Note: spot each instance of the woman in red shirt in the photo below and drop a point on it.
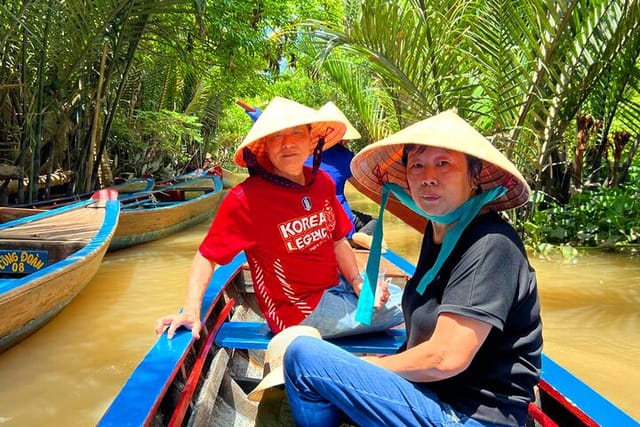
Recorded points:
(287, 219)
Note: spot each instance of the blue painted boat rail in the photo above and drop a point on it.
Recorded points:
(146, 199)
(141, 395)
(592, 403)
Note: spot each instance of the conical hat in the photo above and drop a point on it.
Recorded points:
(382, 161)
(281, 114)
(274, 374)
(331, 110)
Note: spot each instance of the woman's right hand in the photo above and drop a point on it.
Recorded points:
(382, 291)
(382, 294)
(172, 322)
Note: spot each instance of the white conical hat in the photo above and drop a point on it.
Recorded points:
(382, 161)
(331, 110)
(274, 375)
(281, 114)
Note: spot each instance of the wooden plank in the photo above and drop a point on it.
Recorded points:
(77, 225)
(205, 403)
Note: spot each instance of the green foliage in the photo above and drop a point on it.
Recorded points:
(520, 70)
(293, 83)
(604, 218)
(157, 142)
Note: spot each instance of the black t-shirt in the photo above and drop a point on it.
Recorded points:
(487, 277)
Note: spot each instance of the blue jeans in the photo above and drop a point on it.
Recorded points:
(334, 316)
(326, 386)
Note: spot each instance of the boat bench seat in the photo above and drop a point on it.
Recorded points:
(256, 336)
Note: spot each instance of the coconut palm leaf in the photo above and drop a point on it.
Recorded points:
(520, 70)
(402, 45)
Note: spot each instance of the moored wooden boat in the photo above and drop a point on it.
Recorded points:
(46, 259)
(182, 177)
(156, 214)
(204, 382)
(133, 185)
(147, 215)
(124, 190)
(230, 178)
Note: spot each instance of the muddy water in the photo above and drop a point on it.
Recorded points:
(68, 372)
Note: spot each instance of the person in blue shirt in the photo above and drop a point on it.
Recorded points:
(336, 162)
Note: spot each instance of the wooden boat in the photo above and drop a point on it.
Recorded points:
(156, 214)
(133, 185)
(230, 179)
(46, 259)
(204, 382)
(124, 190)
(149, 214)
(183, 177)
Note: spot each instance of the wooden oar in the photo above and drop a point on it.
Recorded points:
(244, 105)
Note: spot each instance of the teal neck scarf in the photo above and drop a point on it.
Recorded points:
(463, 215)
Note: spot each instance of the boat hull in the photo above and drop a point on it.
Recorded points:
(154, 220)
(29, 302)
(204, 383)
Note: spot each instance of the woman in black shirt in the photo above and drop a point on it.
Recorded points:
(472, 312)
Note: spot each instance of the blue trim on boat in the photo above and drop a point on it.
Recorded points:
(592, 403)
(256, 336)
(404, 265)
(146, 385)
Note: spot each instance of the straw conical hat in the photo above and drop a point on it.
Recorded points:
(281, 114)
(382, 161)
(274, 374)
(331, 110)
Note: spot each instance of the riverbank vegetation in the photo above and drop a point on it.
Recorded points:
(91, 91)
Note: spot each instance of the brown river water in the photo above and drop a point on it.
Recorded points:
(68, 372)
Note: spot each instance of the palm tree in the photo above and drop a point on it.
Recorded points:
(520, 70)
(64, 67)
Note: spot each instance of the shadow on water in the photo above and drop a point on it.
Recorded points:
(68, 372)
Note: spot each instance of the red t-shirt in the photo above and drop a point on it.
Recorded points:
(287, 235)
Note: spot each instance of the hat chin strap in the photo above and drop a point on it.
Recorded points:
(317, 156)
(256, 168)
(463, 215)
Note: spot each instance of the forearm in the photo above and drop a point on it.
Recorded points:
(448, 352)
(424, 368)
(347, 263)
(199, 277)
